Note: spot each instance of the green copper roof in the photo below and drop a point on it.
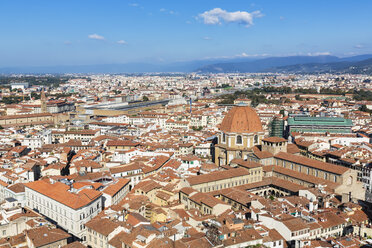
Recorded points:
(319, 121)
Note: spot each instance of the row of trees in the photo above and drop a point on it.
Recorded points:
(54, 81)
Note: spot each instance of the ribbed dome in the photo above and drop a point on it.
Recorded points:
(241, 119)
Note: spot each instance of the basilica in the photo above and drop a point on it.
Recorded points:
(240, 131)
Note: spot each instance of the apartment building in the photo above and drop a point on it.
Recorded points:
(68, 207)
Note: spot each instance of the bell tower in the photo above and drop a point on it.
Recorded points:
(43, 102)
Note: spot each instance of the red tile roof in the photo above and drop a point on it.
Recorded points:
(60, 192)
(241, 119)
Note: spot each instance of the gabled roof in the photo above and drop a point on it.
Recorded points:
(216, 176)
(335, 169)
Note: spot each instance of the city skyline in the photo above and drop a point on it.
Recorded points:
(43, 33)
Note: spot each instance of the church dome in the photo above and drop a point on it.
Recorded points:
(241, 119)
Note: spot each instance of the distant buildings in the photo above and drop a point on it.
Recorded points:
(21, 86)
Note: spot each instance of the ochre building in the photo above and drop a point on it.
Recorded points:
(240, 130)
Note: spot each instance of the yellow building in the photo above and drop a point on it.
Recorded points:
(26, 120)
(218, 180)
(125, 145)
(240, 130)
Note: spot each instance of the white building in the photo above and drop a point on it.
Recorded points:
(21, 86)
(70, 208)
(38, 140)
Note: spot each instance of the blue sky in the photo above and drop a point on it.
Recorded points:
(78, 32)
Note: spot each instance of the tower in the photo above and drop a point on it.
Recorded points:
(43, 102)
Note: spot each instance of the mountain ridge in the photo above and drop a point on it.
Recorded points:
(273, 64)
(289, 64)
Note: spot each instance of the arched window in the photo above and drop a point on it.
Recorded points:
(256, 139)
(239, 140)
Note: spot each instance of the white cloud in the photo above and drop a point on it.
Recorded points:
(245, 55)
(122, 42)
(359, 46)
(319, 54)
(96, 37)
(240, 55)
(218, 16)
(171, 12)
(207, 38)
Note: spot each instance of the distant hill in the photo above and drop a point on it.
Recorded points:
(291, 64)
(184, 66)
(359, 67)
(294, 64)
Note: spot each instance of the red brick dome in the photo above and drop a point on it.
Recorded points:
(241, 119)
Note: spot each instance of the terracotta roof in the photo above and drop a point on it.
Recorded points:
(292, 148)
(245, 164)
(121, 143)
(261, 154)
(43, 236)
(103, 226)
(217, 175)
(124, 168)
(295, 224)
(241, 119)
(75, 244)
(6, 117)
(17, 188)
(60, 192)
(113, 189)
(274, 139)
(336, 169)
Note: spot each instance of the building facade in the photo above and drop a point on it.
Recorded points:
(240, 130)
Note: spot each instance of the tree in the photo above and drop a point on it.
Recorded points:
(145, 98)
(364, 108)
(197, 128)
(298, 98)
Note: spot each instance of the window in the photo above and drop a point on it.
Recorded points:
(223, 137)
(239, 140)
(256, 139)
